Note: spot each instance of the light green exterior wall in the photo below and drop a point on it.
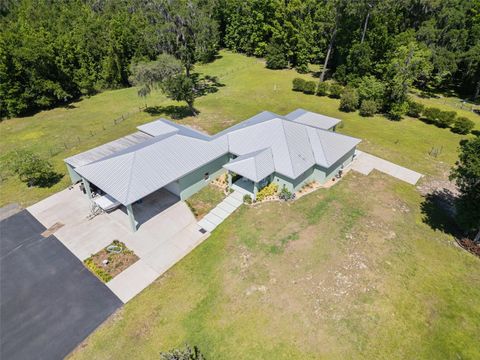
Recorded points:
(194, 181)
(74, 177)
(315, 173)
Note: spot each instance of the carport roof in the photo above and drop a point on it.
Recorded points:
(140, 170)
(107, 149)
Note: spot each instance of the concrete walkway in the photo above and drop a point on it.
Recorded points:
(364, 163)
(223, 210)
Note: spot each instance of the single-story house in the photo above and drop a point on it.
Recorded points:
(290, 150)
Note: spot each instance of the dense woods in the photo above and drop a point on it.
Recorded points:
(54, 51)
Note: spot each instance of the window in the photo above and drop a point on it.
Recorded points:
(206, 176)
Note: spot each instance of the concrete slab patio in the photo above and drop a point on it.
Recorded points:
(364, 163)
(167, 232)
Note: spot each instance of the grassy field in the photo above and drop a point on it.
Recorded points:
(339, 274)
(348, 272)
(248, 89)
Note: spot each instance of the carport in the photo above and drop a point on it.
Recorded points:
(49, 301)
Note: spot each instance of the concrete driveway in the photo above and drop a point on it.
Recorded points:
(364, 163)
(49, 302)
(167, 232)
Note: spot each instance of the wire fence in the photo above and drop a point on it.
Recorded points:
(71, 142)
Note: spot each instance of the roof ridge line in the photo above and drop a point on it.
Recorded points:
(324, 152)
(288, 147)
(311, 146)
(130, 179)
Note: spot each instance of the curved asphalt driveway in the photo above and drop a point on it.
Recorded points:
(49, 302)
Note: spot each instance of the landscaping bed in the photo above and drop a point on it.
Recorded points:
(110, 261)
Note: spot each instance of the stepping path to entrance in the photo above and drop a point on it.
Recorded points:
(223, 210)
(364, 163)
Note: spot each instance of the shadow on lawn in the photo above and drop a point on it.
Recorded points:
(176, 112)
(438, 212)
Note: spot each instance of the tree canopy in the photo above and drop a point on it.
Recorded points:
(466, 174)
(54, 51)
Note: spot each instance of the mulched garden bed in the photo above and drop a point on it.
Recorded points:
(469, 245)
(110, 261)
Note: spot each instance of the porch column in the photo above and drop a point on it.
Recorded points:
(229, 176)
(86, 185)
(255, 190)
(131, 216)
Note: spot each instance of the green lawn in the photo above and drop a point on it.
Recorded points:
(249, 88)
(205, 200)
(339, 274)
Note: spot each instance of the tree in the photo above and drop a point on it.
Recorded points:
(149, 75)
(188, 31)
(466, 174)
(181, 88)
(32, 169)
(165, 73)
(337, 17)
(275, 57)
(407, 64)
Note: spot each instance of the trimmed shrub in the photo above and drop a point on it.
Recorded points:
(446, 118)
(397, 110)
(336, 91)
(310, 87)
(349, 99)
(322, 89)
(415, 109)
(269, 190)
(247, 199)
(463, 125)
(431, 115)
(285, 194)
(302, 68)
(368, 108)
(298, 84)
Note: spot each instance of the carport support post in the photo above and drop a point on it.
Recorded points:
(229, 175)
(86, 185)
(131, 216)
(255, 190)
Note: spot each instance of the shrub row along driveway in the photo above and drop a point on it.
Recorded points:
(49, 301)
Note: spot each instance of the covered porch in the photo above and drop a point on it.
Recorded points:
(253, 171)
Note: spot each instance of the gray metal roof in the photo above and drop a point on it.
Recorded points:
(157, 128)
(164, 127)
(254, 166)
(295, 147)
(312, 119)
(107, 149)
(135, 173)
(264, 143)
